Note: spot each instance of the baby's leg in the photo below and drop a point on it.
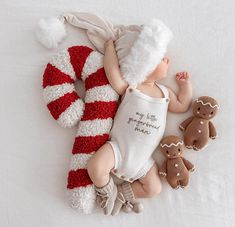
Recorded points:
(148, 186)
(100, 165)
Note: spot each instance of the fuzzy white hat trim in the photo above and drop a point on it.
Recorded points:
(146, 52)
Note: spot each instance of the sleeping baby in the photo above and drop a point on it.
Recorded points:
(137, 129)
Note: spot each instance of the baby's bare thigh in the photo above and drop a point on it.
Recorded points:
(152, 178)
(104, 157)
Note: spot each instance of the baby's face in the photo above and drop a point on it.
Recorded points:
(161, 71)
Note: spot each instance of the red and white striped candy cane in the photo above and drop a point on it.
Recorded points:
(94, 116)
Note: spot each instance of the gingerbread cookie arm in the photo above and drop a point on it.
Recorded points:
(212, 130)
(162, 171)
(185, 123)
(188, 164)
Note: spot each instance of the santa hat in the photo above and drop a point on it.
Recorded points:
(139, 48)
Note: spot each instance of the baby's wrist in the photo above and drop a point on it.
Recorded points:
(185, 83)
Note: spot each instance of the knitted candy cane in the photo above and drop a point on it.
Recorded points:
(94, 117)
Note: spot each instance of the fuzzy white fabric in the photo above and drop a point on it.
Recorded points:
(72, 114)
(93, 62)
(51, 93)
(82, 199)
(102, 93)
(79, 161)
(62, 62)
(146, 53)
(50, 32)
(139, 48)
(94, 127)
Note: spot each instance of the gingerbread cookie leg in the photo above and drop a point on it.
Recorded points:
(184, 182)
(174, 183)
(200, 144)
(189, 141)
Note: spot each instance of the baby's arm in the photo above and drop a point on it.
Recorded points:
(181, 102)
(111, 67)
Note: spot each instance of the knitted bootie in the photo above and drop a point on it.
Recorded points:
(126, 200)
(107, 195)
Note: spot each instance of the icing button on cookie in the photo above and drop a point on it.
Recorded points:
(201, 122)
(199, 131)
(176, 165)
(178, 174)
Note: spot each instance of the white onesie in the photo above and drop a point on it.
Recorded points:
(137, 130)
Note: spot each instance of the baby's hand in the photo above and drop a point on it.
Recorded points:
(182, 78)
(108, 43)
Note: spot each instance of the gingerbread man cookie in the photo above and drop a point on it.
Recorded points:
(175, 168)
(198, 128)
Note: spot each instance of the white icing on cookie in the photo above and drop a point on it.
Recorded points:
(172, 144)
(207, 103)
(181, 127)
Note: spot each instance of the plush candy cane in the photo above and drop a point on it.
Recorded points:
(94, 116)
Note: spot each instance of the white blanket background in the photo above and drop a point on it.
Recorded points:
(35, 151)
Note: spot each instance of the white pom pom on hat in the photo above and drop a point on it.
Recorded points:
(51, 31)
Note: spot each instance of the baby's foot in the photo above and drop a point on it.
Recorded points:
(126, 200)
(107, 196)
